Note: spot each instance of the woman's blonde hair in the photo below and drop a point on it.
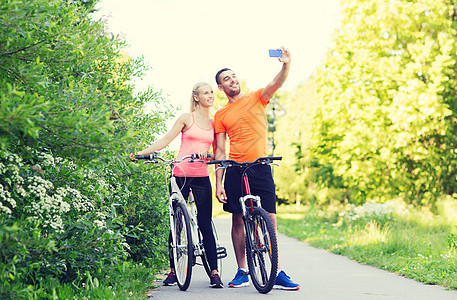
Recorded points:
(195, 91)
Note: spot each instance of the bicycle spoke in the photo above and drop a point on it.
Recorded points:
(259, 251)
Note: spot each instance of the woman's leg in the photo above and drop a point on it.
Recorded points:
(201, 189)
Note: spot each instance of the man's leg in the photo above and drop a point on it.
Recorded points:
(239, 246)
(239, 240)
(233, 190)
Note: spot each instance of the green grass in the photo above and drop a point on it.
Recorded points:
(128, 281)
(416, 245)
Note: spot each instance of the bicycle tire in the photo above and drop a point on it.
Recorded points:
(205, 261)
(261, 250)
(183, 252)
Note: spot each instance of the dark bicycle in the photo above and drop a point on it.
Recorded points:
(261, 242)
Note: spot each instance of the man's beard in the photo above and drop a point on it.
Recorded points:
(234, 92)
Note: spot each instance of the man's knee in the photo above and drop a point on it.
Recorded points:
(237, 220)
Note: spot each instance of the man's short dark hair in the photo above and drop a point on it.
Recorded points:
(219, 73)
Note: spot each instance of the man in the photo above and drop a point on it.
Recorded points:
(243, 119)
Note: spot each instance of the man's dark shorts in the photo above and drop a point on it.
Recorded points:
(261, 184)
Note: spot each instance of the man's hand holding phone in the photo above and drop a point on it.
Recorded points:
(275, 52)
(282, 54)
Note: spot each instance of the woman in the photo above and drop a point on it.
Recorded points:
(197, 130)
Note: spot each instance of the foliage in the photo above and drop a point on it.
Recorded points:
(63, 84)
(292, 136)
(386, 127)
(74, 212)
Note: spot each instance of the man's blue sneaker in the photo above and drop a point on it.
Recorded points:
(283, 282)
(241, 279)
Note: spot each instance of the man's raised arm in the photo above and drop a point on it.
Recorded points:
(269, 91)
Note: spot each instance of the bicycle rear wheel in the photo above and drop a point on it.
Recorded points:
(183, 253)
(221, 253)
(261, 250)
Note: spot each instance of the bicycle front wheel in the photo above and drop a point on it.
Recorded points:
(261, 250)
(183, 253)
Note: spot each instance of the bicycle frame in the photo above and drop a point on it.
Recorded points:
(175, 196)
(250, 199)
(198, 247)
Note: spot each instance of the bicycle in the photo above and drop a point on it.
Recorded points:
(186, 239)
(261, 242)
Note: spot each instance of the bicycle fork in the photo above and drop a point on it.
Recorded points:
(252, 201)
(248, 203)
(174, 242)
(198, 247)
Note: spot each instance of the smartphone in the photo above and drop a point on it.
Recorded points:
(275, 52)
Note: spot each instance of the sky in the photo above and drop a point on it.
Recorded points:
(186, 41)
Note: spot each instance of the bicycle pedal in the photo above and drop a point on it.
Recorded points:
(221, 252)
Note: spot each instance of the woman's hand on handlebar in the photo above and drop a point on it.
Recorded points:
(132, 157)
(204, 155)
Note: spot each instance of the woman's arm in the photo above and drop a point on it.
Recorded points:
(164, 141)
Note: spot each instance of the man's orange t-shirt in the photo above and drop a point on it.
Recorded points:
(245, 123)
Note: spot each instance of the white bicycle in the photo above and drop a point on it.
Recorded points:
(186, 243)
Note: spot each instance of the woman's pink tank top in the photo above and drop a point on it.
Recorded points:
(194, 140)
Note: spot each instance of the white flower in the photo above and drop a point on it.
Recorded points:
(99, 224)
(5, 209)
(125, 245)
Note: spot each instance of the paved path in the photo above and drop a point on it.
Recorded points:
(321, 275)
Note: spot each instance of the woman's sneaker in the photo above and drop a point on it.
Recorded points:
(241, 279)
(215, 281)
(171, 279)
(283, 282)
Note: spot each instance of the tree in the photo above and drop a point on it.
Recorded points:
(63, 85)
(72, 207)
(294, 177)
(387, 124)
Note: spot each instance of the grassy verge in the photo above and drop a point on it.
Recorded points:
(414, 244)
(128, 281)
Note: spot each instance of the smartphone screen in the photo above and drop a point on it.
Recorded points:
(275, 52)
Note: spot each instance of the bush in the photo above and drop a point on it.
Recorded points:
(86, 221)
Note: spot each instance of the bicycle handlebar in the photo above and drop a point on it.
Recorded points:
(155, 158)
(147, 156)
(226, 163)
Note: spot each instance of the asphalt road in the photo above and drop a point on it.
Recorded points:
(321, 275)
